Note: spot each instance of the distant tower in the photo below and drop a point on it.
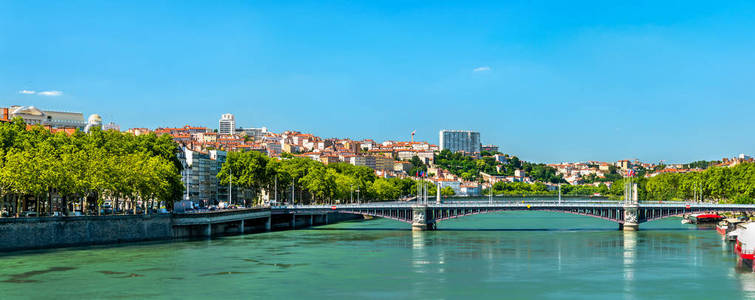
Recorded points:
(227, 124)
(94, 121)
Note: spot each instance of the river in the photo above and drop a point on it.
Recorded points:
(557, 256)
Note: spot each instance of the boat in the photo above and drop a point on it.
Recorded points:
(701, 218)
(727, 225)
(732, 235)
(745, 247)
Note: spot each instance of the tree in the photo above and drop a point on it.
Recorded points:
(383, 189)
(447, 191)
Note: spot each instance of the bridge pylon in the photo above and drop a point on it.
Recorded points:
(631, 208)
(420, 221)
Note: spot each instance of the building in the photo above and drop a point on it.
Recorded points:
(227, 124)
(56, 119)
(254, 132)
(200, 170)
(4, 116)
(94, 121)
(489, 148)
(460, 140)
(111, 126)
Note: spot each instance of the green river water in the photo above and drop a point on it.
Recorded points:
(491, 256)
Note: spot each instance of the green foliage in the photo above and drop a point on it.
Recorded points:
(96, 165)
(311, 181)
(723, 184)
(447, 191)
(701, 164)
(469, 168)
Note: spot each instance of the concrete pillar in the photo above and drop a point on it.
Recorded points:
(208, 230)
(419, 218)
(326, 219)
(311, 220)
(293, 221)
(631, 208)
(241, 228)
(269, 224)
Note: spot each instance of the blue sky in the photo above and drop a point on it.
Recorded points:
(546, 81)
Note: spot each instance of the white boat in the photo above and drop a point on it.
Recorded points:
(732, 235)
(745, 247)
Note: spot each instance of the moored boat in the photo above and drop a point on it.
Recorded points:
(745, 247)
(701, 218)
(727, 225)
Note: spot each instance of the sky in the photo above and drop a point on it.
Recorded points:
(546, 81)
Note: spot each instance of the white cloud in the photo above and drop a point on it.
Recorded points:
(27, 92)
(481, 69)
(50, 93)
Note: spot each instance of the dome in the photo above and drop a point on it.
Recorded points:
(95, 119)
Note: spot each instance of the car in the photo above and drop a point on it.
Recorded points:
(163, 211)
(30, 214)
(213, 207)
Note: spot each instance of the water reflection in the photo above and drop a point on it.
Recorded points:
(630, 257)
(419, 252)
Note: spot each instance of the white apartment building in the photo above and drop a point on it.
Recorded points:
(227, 124)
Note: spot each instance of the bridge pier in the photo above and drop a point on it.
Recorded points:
(419, 219)
(208, 230)
(269, 224)
(241, 227)
(631, 208)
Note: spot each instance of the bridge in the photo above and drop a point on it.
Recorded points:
(425, 216)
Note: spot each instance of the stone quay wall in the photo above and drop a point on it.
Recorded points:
(52, 232)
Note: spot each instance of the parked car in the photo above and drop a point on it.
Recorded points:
(29, 214)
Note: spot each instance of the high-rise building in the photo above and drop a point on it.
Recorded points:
(227, 124)
(460, 140)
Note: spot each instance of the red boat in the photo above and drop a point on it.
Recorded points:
(745, 247)
(704, 218)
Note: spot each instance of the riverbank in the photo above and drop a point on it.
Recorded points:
(56, 232)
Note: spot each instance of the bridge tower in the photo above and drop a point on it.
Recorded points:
(631, 208)
(419, 218)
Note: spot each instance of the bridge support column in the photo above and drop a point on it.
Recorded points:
(293, 221)
(631, 208)
(311, 220)
(208, 230)
(269, 224)
(241, 227)
(325, 217)
(419, 219)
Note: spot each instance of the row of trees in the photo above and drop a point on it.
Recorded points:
(540, 189)
(37, 166)
(304, 181)
(724, 184)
